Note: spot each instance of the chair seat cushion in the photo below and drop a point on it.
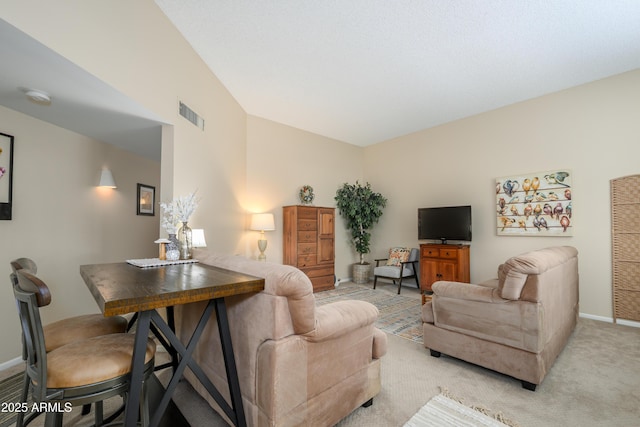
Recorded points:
(390, 271)
(93, 360)
(65, 331)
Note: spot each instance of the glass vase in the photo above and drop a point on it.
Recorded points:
(185, 239)
(173, 248)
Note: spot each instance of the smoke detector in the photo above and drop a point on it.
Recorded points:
(38, 97)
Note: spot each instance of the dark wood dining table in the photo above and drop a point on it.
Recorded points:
(121, 288)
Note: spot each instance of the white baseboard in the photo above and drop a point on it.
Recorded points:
(11, 363)
(594, 317)
(628, 323)
(610, 320)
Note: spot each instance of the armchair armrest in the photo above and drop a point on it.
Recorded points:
(380, 259)
(339, 318)
(466, 291)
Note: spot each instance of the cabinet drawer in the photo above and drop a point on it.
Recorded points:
(306, 261)
(306, 212)
(430, 253)
(448, 253)
(307, 224)
(307, 248)
(317, 272)
(308, 236)
(322, 283)
(439, 253)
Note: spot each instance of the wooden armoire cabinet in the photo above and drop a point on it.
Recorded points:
(309, 243)
(443, 262)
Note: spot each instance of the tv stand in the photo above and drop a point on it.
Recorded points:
(443, 241)
(443, 262)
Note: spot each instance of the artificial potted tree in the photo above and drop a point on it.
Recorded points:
(362, 208)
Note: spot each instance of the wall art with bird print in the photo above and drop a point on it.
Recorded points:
(535, 204)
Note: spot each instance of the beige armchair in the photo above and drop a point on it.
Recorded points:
(516, 324)
(298, 364)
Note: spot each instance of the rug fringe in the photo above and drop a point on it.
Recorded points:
(498, 416)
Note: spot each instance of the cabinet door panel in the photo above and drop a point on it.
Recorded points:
(325, 251)
(428, 274)
(325, 222)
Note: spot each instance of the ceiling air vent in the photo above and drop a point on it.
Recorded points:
(191, 115)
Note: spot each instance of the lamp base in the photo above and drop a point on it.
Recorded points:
(262, 245)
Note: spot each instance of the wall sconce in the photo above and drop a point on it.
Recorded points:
(197, 238)
(106, 179)
(262, 222)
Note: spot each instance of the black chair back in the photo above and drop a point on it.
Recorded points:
(31, 294)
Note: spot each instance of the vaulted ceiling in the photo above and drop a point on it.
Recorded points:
(360, 71)
(364, 71)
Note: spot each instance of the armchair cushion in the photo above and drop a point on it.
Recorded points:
(467, 291)
(397, 256)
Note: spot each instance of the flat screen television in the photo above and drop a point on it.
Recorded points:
(445, 223)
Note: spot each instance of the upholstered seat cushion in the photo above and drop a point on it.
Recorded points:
(65, 331)
(93, 360)
(391, 271)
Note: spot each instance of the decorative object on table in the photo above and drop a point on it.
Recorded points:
(106, 179)
(162, 249)
(146, 200)
(173, 248)
(362, 208)
(176, 212)
(535, 204)
(262, 222)
(155, 262)
(185, 236)
(6, 175)
(306, 195)
(198, 240)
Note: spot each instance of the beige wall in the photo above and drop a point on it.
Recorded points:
(280, 160)
(593, 130)
(133, 47)
(62, 220)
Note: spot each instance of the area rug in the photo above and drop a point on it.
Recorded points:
(10, 390)
(399, 315)
(445, 410)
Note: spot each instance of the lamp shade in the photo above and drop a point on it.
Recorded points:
(197, 238)
(106, 179)
(262, 222)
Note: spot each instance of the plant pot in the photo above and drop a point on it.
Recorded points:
(360, 273)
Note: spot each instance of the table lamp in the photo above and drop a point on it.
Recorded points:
(197, 238)
(262, 222)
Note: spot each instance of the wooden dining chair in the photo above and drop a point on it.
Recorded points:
(82, 372)
(66, 331)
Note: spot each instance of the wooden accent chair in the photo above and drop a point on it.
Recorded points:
(82, 372)
(402, 263)
(66, 331)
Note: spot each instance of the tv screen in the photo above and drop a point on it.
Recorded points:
(445, 223)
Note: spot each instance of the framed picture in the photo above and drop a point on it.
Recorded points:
(535, 204)
(146, 200)
(6, 175)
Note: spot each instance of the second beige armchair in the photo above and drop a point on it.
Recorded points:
(516, 324)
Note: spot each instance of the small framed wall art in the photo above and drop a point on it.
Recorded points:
(146, 200)
(6, 175)
(535, 204)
